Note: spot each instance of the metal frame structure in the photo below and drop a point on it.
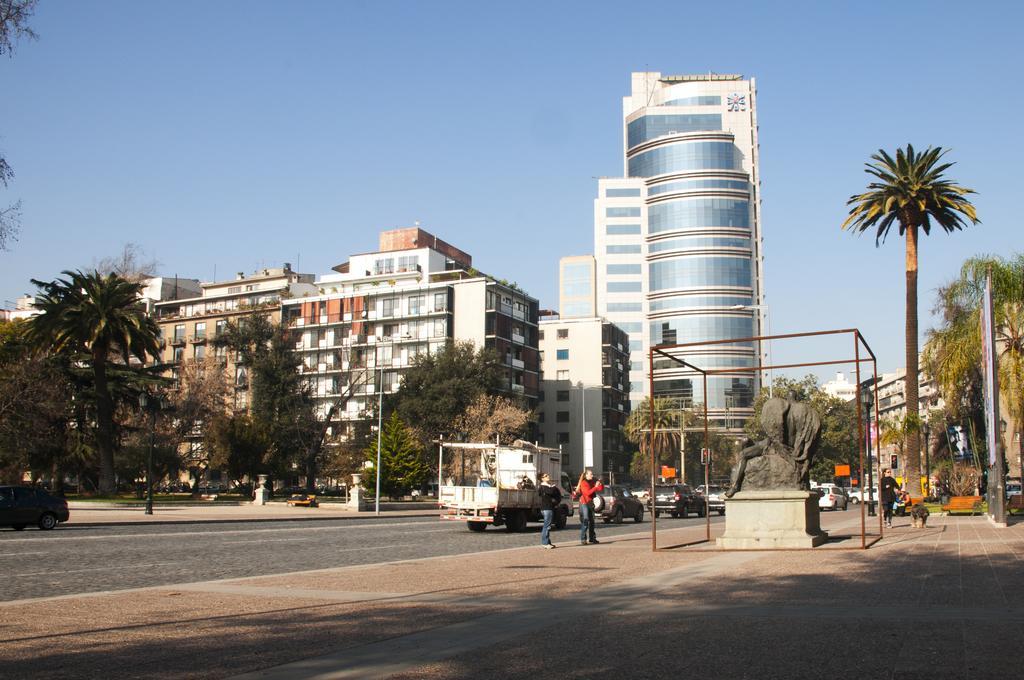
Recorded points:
(664, 351)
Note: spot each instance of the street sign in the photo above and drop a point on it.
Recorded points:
(842, 470)
(668, 472)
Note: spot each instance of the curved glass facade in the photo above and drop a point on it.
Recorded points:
(686, 156)
(688, 213)
(646, 128)
(698, 328)
(690, 272)
(724, 391)
(696, 185)
(698, 242)
(688, 301)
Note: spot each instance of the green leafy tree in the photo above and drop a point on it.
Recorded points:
(282, 403)
(238, 444)
(440, 386)
(913, 192)
(402, 467)
(953, 349)
(99, 316)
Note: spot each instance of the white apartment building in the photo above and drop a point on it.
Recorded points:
(368, 322)
(840, 388)
(585, 393)
(677, 239)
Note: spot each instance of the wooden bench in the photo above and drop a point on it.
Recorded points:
(970, 504)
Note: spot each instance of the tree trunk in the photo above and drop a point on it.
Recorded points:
(104, 421)
(316, 446)
(911, 461)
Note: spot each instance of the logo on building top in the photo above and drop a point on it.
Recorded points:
(736, 102)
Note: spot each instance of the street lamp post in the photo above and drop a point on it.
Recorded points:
(867, 495)
(147, 402)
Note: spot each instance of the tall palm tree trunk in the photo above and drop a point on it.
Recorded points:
(911, 462)
(104, 421)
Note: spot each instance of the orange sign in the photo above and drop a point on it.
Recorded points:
(842, 471)
(668, 471)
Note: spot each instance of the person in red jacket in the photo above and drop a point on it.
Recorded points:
(586, 489)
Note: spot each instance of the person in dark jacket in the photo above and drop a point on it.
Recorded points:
(587, 488)
(889, 488)
(550, 497)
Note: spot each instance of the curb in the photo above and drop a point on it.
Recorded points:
(240, 520)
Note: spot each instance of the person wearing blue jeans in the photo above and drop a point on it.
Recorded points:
(550, 497)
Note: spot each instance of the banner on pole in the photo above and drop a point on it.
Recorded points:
(588, 449)
(990, 373)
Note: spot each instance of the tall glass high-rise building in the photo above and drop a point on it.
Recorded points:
(677, 239)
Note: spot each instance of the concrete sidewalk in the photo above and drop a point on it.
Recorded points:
(944, 602)
(90, 514)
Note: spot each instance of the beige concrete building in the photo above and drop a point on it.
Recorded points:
(585, 393)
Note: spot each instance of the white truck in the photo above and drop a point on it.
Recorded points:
(499, 484)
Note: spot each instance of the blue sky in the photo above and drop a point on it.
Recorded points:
(233, 135)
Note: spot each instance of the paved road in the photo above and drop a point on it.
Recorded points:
(72, 560)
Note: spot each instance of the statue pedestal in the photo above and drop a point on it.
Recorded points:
(262, 492)
(355, 495)
(772, 520)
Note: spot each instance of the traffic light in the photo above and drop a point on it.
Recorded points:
(894, 462)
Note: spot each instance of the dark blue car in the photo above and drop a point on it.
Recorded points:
(24, 505)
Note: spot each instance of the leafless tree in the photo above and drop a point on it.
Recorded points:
(14, 16)
(131, 263)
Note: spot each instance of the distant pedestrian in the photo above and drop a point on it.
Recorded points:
(889, 490)
(550, 497)
(586, 489)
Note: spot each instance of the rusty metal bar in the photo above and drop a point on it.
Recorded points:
(707, 466)
(860, 447)
(650, 445)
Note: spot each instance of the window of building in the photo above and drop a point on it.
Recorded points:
(540, 396)
(540, 335)
(408, 263)
(179, 354)
(199, 352)
(416, 304)
(562, 395)
(540, 417)
(625, 307)
(219, 327)
(622, 229)
(201, 330)
(622, 193)
(618, 269)
(623, 286)
(234, 289)
(440, 302)
(624, 249)
(541, 354)
(562, 417)
(622, 212)
(387, 307)
(563, 437)
(179, 332)
(384, 265)
(562, 354)
(562, 333)
(440, 328)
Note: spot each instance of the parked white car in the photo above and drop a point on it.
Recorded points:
(856, 495)
(832, 498)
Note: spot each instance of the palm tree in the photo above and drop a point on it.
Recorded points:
(912, 191)
(953, 350)
(1010, 345)
(669, 421)
(101, 317)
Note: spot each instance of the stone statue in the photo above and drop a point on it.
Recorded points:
(782, 460)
